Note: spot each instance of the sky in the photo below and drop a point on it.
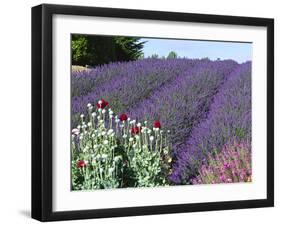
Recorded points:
(239, 52)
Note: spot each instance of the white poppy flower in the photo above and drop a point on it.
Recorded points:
(110, 131)
(116, 158)
(124, 136)
(104, 156)
(75, 131)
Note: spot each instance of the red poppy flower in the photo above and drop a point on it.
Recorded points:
(123, 117)
(157, 124)
(81, 163)
(135, 130)
(102, 104)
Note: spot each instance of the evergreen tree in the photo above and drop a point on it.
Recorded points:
(97, 50)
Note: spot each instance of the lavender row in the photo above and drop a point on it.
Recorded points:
(135, 84)
(179, 105)
(229, 119)
(85, 81)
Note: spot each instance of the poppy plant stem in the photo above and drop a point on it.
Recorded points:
(161, 142)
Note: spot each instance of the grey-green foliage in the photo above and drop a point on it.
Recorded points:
(116, 158)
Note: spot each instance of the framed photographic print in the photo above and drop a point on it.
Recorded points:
(145, 112)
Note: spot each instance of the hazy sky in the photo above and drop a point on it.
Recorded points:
(239, 52)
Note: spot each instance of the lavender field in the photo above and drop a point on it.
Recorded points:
(158, 122)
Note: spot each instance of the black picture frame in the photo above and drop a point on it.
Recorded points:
(42, 84)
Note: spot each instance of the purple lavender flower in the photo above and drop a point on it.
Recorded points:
(181, 103)
(229, 118)
(125, 87)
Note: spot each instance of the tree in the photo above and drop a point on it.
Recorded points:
(154, 56)
(172, 55)
(80, 50)
(128, 48)
(102, 50)
(97, 50)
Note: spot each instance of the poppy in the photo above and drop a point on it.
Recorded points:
(81, 163)
(123, 117)
(75, 131)
(157, 124)
(135, 130)
(102, 104)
